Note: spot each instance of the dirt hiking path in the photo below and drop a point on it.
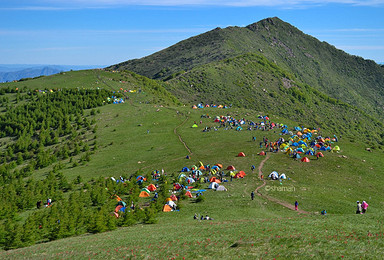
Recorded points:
(282, 203)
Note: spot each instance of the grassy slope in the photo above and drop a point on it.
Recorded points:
(256, 228)
(260, 228)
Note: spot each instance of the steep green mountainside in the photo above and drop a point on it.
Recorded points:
(351, 79)
(251, 81)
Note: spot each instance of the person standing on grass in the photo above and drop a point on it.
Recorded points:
(252, 195)
(358, 209)
(296, 205)
(364, 206)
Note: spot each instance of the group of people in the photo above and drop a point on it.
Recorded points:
(361, 207)
(202, 217)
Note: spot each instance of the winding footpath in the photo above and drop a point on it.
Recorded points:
(282, 203)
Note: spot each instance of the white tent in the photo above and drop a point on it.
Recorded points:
(274, 175)
(213, 185)
(221, 188)
(171, 204)
(282, 176)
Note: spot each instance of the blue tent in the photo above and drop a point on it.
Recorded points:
(185, 169)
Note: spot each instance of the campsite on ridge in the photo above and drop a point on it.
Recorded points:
(144, 151)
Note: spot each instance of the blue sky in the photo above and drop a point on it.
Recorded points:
(105, 32)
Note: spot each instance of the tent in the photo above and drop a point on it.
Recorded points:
(189, 180)
(118, 207)
(221, 188)
(240, 174)
(241, 154)
(309, 152)
(198, 173)
(122, 203)
(231, 168)
(151, 187)
(297, 156)
(185, 169)
(305, 159)
(261, 153)
(173, 197)
(177, 186)
(273, 175)
(144, 194)
(283, 176)
(319, 154)
(181, 176)
(188, 193)
(171, 203)
(216, 168)
(167, 208)
(336, 149)
(194, 126)
(214, 179)
(213, 185)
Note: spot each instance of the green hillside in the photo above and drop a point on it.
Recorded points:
(351, 79)
(88, 139)
(251, 81)
(241, 227)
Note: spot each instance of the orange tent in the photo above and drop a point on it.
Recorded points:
(151, 187)
(167, 208)
(241, 154)
(305, 159)
(240, 174)
(118, 208)
(214, 179)
(188, 193)
(219, 165)
(143, 194)
(202, 167)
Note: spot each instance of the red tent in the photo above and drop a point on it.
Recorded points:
(241, 154)
(151, 187)
(305, 159)
(320, 154)
(231, 168)
(261, 153)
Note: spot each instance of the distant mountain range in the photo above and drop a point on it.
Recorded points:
(10, 72)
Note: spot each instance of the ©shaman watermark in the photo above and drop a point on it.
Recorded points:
(280, 188)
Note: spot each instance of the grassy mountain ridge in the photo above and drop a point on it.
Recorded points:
(349, 78)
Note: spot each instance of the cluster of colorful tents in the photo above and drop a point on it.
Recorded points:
(144, 192)
(201, 105)
(115, 100)
(303, 144)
